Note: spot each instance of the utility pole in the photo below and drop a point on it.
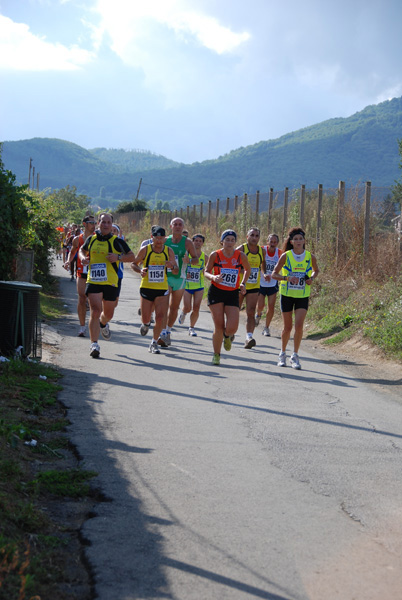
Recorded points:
(139, 187)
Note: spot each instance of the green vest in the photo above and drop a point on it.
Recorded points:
(179, 251)
(302, 270)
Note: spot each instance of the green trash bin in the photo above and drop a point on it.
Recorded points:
(20, 319)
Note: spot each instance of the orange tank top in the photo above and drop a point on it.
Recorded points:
(229, 268)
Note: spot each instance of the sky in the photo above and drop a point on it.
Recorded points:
(191, 79)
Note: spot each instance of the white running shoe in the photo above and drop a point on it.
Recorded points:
(282, 359)
(249, 343)
(191, 331)
(105, 332)
(144, 329)
(182, 318)
(153, 347)
(266, 332)
(94, 350)
(294, 361)
(257, 319)
(164, 340)
(81, 332)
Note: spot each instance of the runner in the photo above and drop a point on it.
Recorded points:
(182, 247)
(194, 289)
(256, 257)
(268, 286)
(224, 271)
(295, 272)
(103, 252)
(154, 289)
(117, 232)
(89, 228)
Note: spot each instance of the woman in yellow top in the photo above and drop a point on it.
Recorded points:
(295, 271)
(194, 289)
(154, 288)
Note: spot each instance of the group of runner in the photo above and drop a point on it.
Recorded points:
(172, 270)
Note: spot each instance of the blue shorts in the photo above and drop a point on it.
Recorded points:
(193, 291)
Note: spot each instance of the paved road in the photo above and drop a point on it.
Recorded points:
(233, 482)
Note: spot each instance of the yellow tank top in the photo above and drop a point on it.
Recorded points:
(155, 262)
(255, 261)
(100, 270)
(301, 269)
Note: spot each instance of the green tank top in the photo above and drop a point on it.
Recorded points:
(179, 252)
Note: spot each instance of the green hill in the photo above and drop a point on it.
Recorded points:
(363, 147)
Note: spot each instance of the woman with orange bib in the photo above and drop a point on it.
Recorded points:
(224, 272)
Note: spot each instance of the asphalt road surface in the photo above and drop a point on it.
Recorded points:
(234, 482)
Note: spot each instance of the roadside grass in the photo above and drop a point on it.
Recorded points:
(340, 311)
(51, 305)
(34, 472)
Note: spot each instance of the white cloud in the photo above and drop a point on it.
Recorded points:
(122, 20)
(21, 50)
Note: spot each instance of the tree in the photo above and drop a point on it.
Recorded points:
(71, 206)
(133, 206)
(28, 220)
(13, 218)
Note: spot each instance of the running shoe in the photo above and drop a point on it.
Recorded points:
(81, 332)
(182, 318)
(282, 359)
(162, 341)
(144, 329)
(216, 360)
(266, 332)
(153, 348)
(191, 331)
(227, 342)
(167, 337)
(249, 343)
(94, 350)
(257, 319)
(105, 332)
(294, 361)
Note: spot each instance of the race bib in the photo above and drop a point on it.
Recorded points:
(193, 275)
(98, 272)
(156, 273)
(253, 278)
(229, 277)
(300, 285)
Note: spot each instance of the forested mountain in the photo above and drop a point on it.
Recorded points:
(363, 147)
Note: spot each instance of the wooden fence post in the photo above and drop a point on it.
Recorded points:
(257, 206)
(245, 225)
(270, 206)
(339, 234)
(302, 203)
(209, 211)
(285, 211)
(201, 212)
(217, 214)
(236, 203)
(194, 215)
(319, 210)
(366, 242)
(227, 206)
(187, 214)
